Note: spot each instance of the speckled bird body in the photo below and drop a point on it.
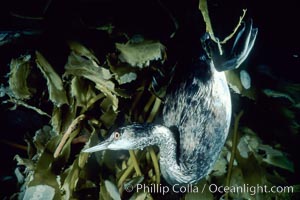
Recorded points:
(202, 105)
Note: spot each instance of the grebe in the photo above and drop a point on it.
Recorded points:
(196, 120)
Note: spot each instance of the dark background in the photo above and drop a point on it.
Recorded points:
(277, 46)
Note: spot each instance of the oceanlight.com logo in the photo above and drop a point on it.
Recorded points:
(213, 188)
(250, 189)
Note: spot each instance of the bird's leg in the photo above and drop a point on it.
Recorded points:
(238, 38)
(237, 58)
(241, 48)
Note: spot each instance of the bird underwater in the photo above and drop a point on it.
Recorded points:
(199, 108)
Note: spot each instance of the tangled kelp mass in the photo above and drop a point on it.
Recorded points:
(79, 83)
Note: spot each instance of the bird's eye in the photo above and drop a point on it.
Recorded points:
(117, 135)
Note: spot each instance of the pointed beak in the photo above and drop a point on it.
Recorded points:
(99, 147)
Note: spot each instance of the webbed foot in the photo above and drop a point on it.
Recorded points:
(241, 48)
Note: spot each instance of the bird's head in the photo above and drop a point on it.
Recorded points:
(134, 136)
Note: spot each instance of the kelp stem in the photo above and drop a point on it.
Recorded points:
(234, 146)
(70, 129)
(155, 164)
(135, 163)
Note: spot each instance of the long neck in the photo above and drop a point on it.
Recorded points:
(170, 169)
